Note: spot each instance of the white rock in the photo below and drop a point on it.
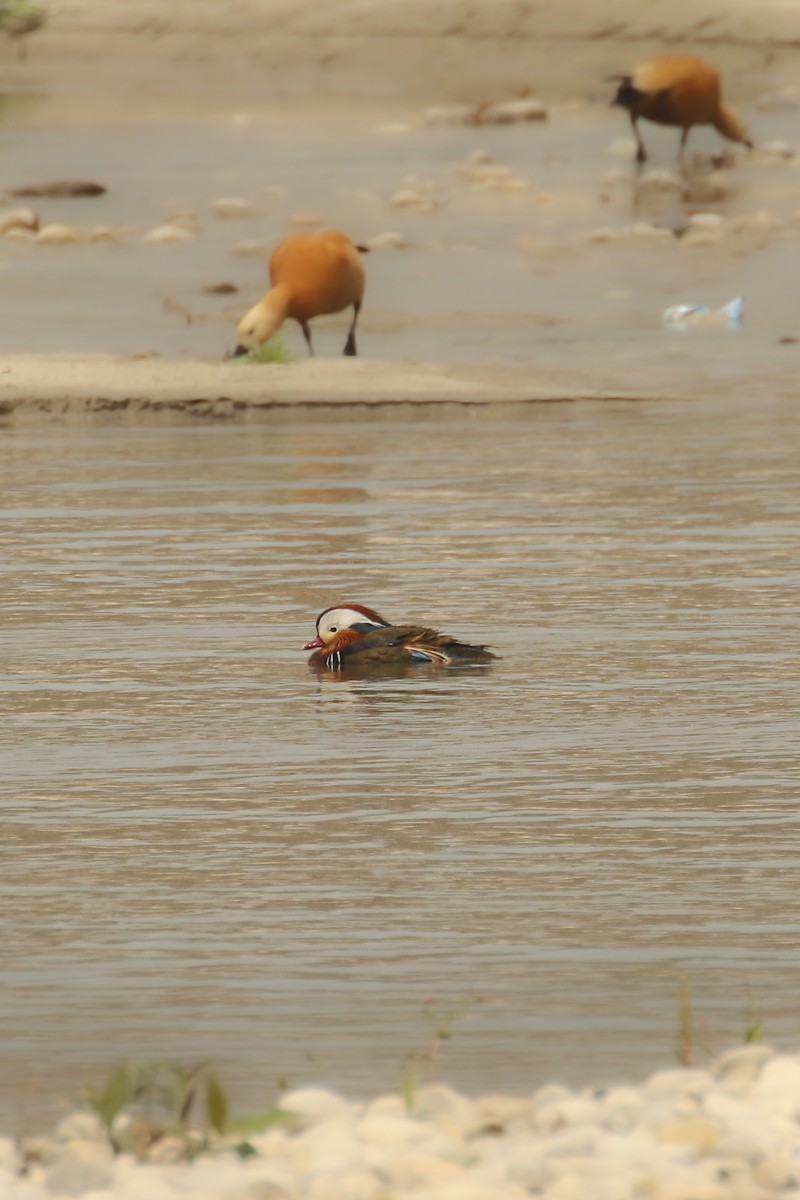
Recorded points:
(775, 149)
(18, 218)
(659, 179)
(761, 221)
(702, 235)
(387, 241)
(20, 235)
(511, 111)
(742, 1065)
(622, 148)
(621, 1108)
(306, 220)
(9, 1155)
(57, 235)
(437, 1100)
(71, 1177)
(318, 1104)
(407, 198)
(783, 99)
(778, 1086)
(168, 233)
(253, 249)
(232, 208)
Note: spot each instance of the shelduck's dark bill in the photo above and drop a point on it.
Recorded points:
(239, 351)
(315, 645)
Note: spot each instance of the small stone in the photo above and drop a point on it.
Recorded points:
(757, 222)
(316, 1104)
(103, 233)
(18, 218)
(305, 220)
(783, 99)
(233, 209)
(253, 249)
(775, 149)
(57, 235)
(452, 114)
(659, 179)
(622, 148)
(697, 1132)
(479, 158)
(707, 220)
(220, 289)
(509, 112)
(20, 235)
(168, 233)
(71, 1177)
(406, 198)
(387, 241)
(605, 233)
(702, 236)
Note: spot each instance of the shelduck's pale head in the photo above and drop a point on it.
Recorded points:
(258, 325)
(348, 616)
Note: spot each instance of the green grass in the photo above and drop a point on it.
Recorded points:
(18, 17)
(276, 350)
(140, 1105)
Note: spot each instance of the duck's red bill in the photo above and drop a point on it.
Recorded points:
(315, 645)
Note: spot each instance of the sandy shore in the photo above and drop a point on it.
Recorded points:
(415, 51)
(77, 385)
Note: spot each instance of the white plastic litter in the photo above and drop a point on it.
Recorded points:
(685, 316)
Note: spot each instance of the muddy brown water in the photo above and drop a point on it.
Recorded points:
(210, 853)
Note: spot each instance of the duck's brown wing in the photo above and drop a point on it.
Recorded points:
(398, 643)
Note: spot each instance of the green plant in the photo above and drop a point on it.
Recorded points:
(139, 1105)
(276, 350)
(18, 18)
(419, 1067)
(685, 1022)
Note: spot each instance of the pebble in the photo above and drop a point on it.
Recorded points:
(412, 198)
(622, 148)
(783, 99)
(253, 249)
(232, 208)
(450, 114)
(731, 1132)
(509, 112)
(659, 179)
(387, 241)
(169, 233)
(57, 235)
(306, 220)
(18, 218)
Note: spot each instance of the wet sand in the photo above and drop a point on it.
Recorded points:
(534, 261)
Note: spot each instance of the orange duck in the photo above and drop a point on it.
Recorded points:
(311, 274)
(351, 635)
(677, 90)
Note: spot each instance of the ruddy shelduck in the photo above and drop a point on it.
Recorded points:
(353, 636)
(677, 90)
(311, 274)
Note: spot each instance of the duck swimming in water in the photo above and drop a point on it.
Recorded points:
(677, 90)
(352, 635)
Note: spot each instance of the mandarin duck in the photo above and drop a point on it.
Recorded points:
(311, 274)
(352, 635)
(677, 90)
